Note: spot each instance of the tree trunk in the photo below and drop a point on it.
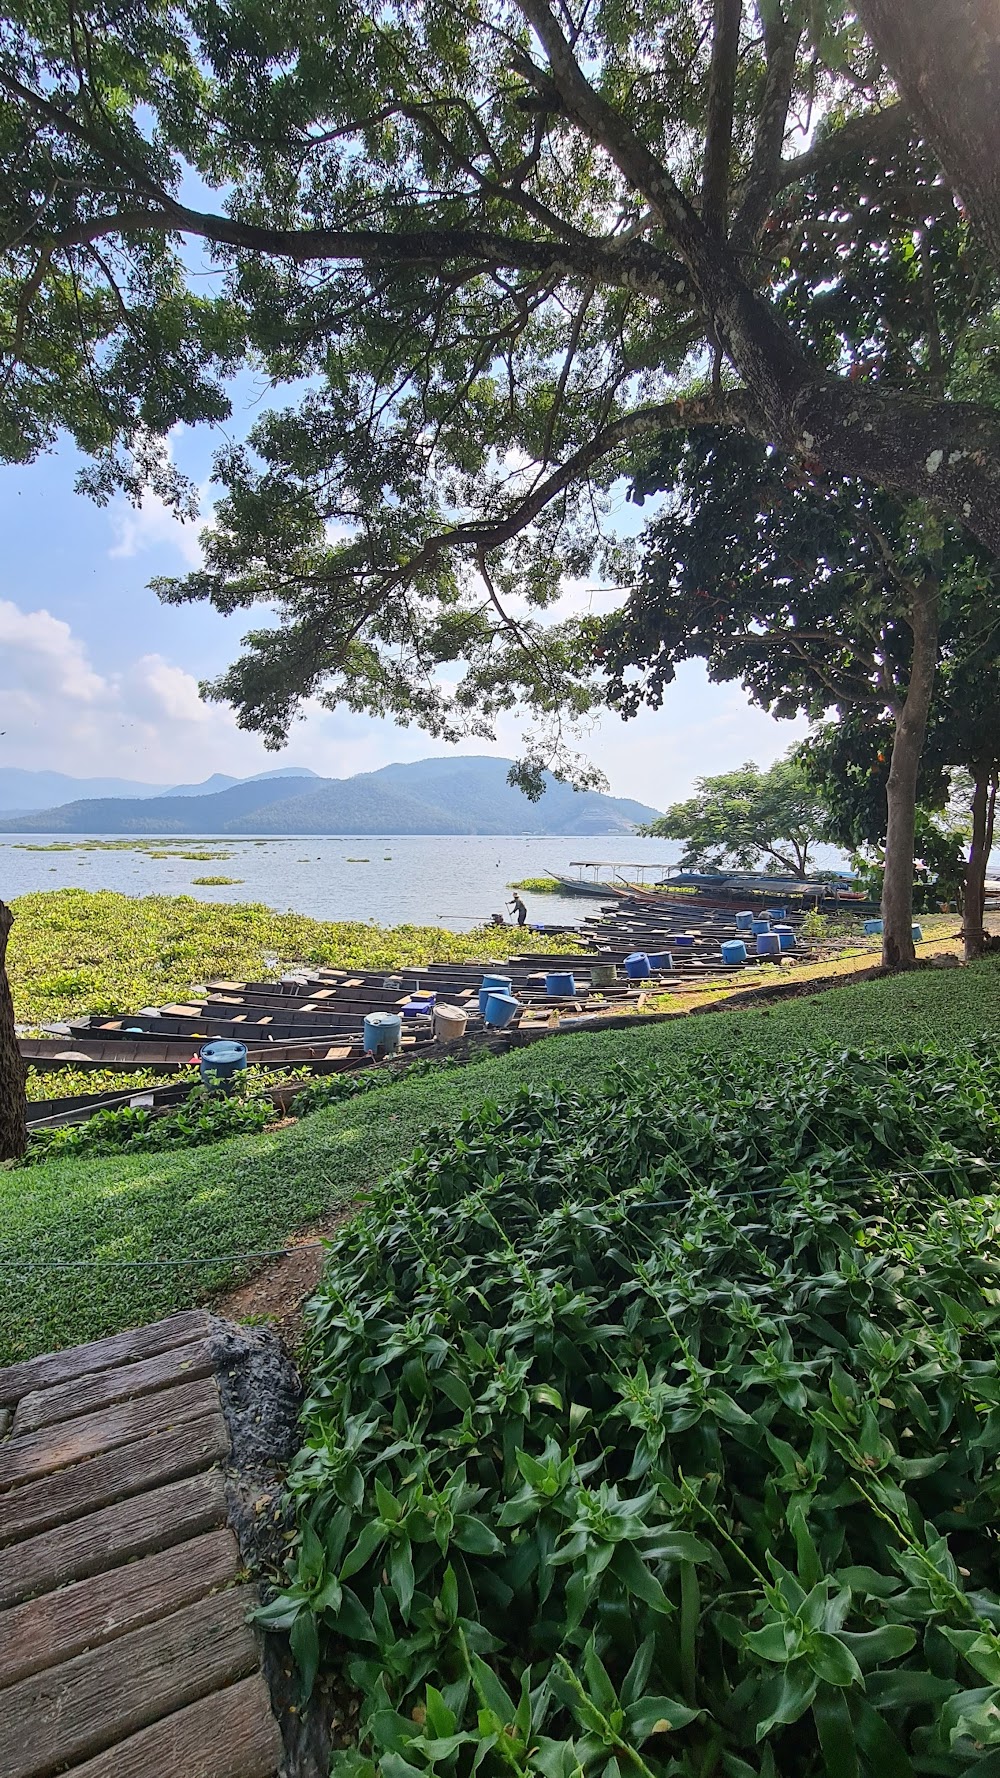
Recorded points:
(944, 56)
(901, 791)
(13, 1107)
(975, 870)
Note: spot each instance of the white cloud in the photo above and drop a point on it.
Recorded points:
(40, 655)
(153, 524)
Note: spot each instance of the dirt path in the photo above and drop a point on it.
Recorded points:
(279, 1292)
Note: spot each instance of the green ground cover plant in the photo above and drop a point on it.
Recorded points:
(654, 1429)
(58, 1219)
(73, 951)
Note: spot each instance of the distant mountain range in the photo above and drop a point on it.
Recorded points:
(446, 796)
(24, 790)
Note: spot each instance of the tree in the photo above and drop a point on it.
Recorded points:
(13, 1072)
(814, 597)
(488, 248)
(945, 58)
(491, 248)
(956, 791)
(738, 818)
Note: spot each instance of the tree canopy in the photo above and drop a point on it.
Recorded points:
(486, 249)
(748, 816)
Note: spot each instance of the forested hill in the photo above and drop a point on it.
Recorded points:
(457, 796)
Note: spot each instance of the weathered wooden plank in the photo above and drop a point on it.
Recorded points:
(231, 1734)
(108, 1538)
(99, 1355)
(84, 1395)
(46, 1631)
(75, 1711)
(113, 1476)
(56, 1447)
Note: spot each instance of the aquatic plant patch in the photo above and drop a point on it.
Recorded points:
(655, 1429)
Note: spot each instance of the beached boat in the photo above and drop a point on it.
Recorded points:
(582, 886)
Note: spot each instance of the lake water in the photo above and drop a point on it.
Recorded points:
(429, 880)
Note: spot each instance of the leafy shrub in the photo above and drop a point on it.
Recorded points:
(655, 1430)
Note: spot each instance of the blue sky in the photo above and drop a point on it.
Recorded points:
(98, 678)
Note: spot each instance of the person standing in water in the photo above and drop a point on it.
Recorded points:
(517, 907)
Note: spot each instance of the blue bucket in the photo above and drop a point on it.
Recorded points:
(683, 941)
(661, 960)
(744, 921)
(500, 1009)
(637, 966)
(501, 983)
(734, 951)
(564, 984)
(768, 944)
(874, 928)
(221, 1060)
(759, 926)
(775, 913)
(918, 933)
(383, 1033)
(786, 937)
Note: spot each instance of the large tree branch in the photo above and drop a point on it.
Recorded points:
(633, 266)
(781, 42)
(878, 134)
(719, 126)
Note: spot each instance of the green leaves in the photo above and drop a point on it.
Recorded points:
(651, 1471)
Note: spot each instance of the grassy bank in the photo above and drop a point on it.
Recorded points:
(250, 1193)
(73, 951)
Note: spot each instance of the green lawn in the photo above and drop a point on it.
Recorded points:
(252, 1192)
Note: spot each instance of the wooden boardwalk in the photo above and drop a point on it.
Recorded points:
(125, 1650)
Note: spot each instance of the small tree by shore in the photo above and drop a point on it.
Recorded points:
(743, 818)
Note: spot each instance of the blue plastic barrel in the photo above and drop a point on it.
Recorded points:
(760, 926)
(683, 941)
(661, 960)
(502, 983)
(636, 966)
(734, 951)
(557, 983)
(500, 1009)
(744, 921)
(775, 913)
(786, 938)
(221, 1060)
(768, 944)
(874, 928)
(383, 1033)
(918, 933)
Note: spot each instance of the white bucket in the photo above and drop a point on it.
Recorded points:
(450, 1023)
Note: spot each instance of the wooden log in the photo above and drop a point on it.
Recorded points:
(231, 1734)
(84, 1395)
(100, 1355)
(106, 1539)
(46, 1631)
(61, 1717)
(113, 1476)
(56, 1447)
